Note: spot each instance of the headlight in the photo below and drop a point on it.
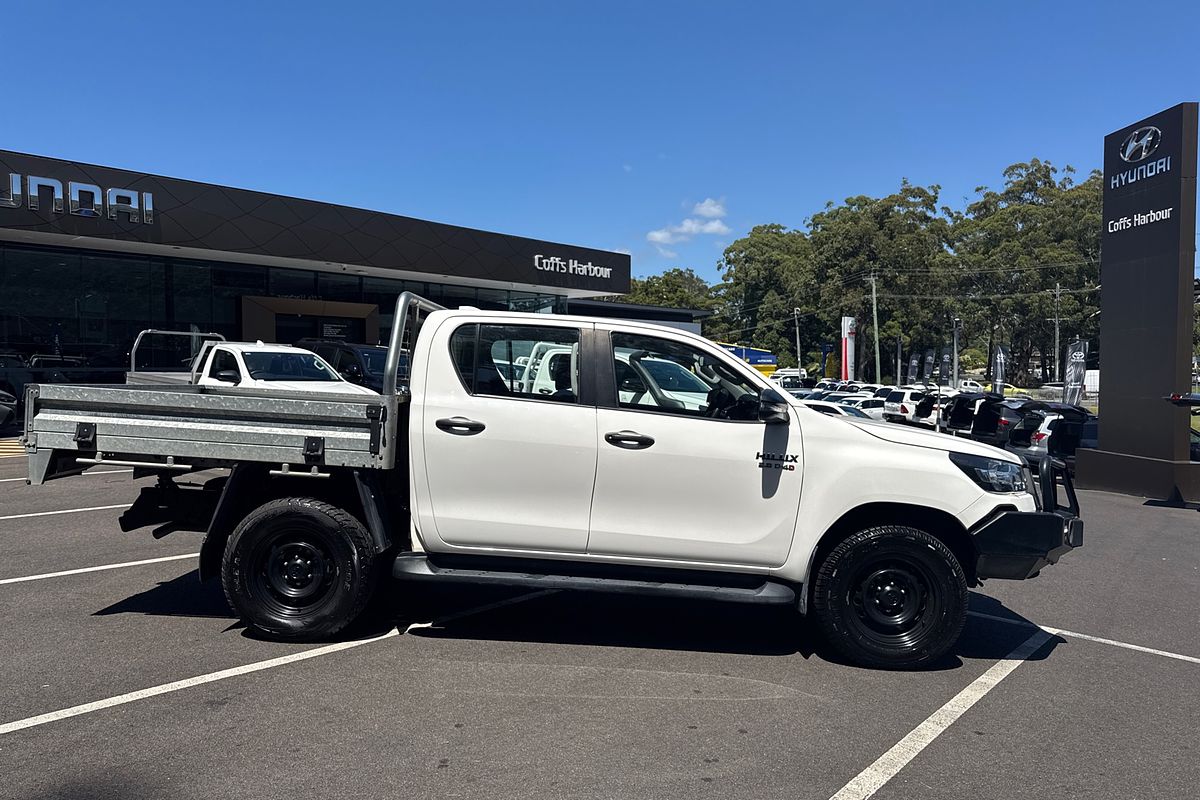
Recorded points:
(991, 474)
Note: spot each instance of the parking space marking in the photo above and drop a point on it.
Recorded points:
(258, 666)
(100, 568)
(873, 778)
(1088, 637)
(187, 683)
(480, 609)
(64, 511)
(80, 475)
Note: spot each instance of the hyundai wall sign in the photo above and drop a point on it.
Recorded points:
(58, 202)
(83, 199)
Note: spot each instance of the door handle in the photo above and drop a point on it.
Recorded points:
(460, 425)
(629, 440)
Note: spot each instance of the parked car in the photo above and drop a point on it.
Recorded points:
(969, 385)
(883, 391)
(901, 405)
(871, 406)
(254, 365)
(8, 408)
(464, 477)
(1050, 429)
(358, 363)
(835, 409)
(802, 394)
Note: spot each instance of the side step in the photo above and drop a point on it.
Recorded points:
(729, 588)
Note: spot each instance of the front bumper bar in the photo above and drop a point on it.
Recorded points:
(1018, 544)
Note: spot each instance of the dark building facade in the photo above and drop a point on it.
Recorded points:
(90, 256)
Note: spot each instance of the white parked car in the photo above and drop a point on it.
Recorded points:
(871, 406)
(901, 405)
(254, 365)
(835, 409)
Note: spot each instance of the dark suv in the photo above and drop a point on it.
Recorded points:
(363, 364)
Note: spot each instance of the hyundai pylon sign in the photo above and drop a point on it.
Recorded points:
(1147, 246)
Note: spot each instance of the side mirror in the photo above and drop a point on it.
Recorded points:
(227, 376)
(772, 408)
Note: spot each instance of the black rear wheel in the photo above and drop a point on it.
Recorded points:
(299, 569)
(891, 596)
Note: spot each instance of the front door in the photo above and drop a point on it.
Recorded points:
(509, 444)
(685, 470)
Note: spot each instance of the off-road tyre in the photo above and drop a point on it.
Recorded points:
(299, 569)
(891, 597)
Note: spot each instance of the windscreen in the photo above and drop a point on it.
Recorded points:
(287, 366)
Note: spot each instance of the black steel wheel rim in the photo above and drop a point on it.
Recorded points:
(895, 600)
(292, 570)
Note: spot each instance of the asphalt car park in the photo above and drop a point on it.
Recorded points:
(134, 680)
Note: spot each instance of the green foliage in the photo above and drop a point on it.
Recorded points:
(994, 265)
(675, 288)
(972, 359)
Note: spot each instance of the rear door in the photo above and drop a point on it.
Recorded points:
(685, 471)
(505, 466)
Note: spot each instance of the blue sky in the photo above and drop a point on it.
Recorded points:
(663, 129)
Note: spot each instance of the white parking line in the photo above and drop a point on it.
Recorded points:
(187, 683)
(1088, 637)
(96, 569)
(872, 779)
(200, 680)
(65, 511)
(81, 475)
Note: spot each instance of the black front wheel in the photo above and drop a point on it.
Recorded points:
(298, 569)
(892, 596)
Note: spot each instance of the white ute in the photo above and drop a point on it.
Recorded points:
(568, 452)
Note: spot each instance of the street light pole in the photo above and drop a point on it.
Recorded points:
(799, 360)
(957, 325)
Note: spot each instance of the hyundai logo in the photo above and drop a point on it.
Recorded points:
(1140, 144)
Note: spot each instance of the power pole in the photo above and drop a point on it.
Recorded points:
(957, 326)
(1057, 355)
(875, 324)
(799, 359)
(898, 344)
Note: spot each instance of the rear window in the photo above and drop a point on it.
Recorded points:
(896, 397)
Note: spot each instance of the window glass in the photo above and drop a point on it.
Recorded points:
(656, 374)
(287, 366)
(518, 361)
(223, 360)
(830, 410)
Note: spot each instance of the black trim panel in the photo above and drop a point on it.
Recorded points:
(608, 578)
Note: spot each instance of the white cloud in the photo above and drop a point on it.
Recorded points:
(665, 253)
(713, 209)
(662, 236)
(673, 234)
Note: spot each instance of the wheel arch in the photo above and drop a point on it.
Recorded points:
(933, 521)
(366, 496)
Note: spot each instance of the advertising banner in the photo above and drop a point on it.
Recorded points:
(849, 326)
(927, 373)
(1076, 371)
(944, 369)
(914, 364)
(999, 368)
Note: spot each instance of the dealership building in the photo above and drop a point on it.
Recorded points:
(90, 256)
